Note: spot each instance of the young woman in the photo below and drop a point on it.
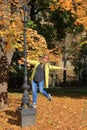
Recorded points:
(40, 77)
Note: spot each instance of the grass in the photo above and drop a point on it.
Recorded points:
(74, 92)
(69, 91)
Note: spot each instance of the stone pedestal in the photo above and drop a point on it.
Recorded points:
(27, 116)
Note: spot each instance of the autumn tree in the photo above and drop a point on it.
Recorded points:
(11, 37)
(7, 44)
(4, 58)
(68, 18)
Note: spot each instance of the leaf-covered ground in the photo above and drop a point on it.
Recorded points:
(62, 113)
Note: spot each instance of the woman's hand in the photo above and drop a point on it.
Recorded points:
(63, 68)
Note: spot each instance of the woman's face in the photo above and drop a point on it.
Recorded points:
(45, 59)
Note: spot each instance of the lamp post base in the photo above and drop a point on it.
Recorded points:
(28, 116)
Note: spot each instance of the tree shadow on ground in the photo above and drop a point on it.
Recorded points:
(73, 92)
(14, 117)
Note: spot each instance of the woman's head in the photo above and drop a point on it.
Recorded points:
(45, 58)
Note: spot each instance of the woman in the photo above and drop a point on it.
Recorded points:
(40, 77)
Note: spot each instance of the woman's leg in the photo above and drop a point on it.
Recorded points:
(41, 88)
(34, 92)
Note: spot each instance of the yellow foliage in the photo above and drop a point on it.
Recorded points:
(78, 1)
(13, 33)
(18, 46)
(82, 43)
(52, 7)
(66, 5)
(1, 34)
(83, 21)
(8, 47)
(81, 8)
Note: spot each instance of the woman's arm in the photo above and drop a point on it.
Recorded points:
(33, 62)
(52, 67)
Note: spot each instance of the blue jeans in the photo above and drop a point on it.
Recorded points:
(35, 86)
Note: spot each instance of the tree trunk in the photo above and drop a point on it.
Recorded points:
(32, 10)
(3, 79)
(5, 59)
